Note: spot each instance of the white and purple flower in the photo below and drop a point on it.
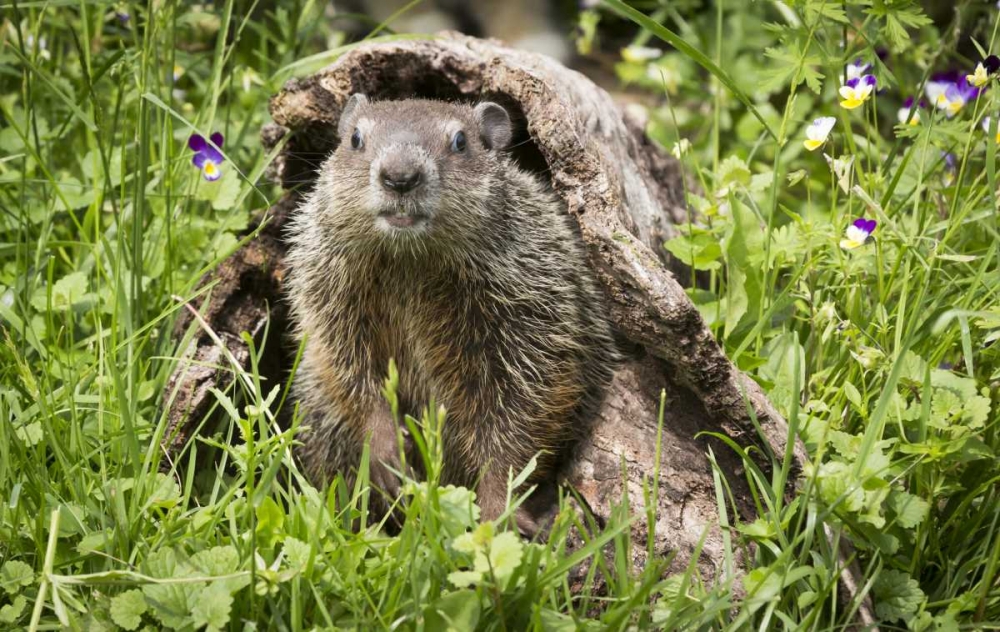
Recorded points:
(818, 132)
(856, 91)
(207, 157)
(904, 116)
(950, 92)
(858, 233)
(857, 69)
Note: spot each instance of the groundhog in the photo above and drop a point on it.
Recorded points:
(423, 242)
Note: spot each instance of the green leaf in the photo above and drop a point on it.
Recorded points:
(165, 493)
(899, 16)
(456, 611)
(474, 541)
(965, 387)
(464, 579)
(211, 607)
(759, 529)
(74, 194)
(270, 520)
(765, 583)
(781, 354)
(807, 599)
(66, 292)
(733, 170)
(505, 555)
(791, 66)
(737, 299)
(93, 167)
(224, 245)
(897, 595)
(760, 182)
(853, 396)
(459, 512)
(976, 411)
(743, 290)
(824, 9)
(218, 561)
(910, 510)
(222, 193)
(297, 553)
(700, 250)
(127, 609)
(553, 621)
(170, 602)
(29, 433)
(837, 484)
(11, 612)
(14, 575)
(945, 408)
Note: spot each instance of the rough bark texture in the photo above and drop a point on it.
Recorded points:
(626, 195)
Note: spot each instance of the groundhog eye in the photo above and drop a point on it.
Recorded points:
(458, 142)
(356, 141)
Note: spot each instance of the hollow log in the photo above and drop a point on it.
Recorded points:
(626, 195)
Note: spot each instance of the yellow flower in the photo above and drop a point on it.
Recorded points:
(979, 77)
(856, 91)
(818, 131)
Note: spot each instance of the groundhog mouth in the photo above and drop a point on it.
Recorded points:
(403, 220)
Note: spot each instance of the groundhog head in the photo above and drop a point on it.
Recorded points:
(407, 169)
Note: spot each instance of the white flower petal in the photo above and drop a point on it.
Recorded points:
(935, 90)
(819, 130)
(855, 234)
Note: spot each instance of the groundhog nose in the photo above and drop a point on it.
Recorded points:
(401, 181)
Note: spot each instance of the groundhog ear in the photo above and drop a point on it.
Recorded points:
(349, 114)
(494, 125)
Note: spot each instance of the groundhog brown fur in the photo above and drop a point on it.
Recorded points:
(424, 243)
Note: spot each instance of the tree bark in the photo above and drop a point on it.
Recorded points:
(626, 195)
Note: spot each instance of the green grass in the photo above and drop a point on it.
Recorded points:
(884, 358)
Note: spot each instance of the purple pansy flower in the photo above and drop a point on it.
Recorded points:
(858, 233)
(856, 91)
(206, 157)
(950, 92)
